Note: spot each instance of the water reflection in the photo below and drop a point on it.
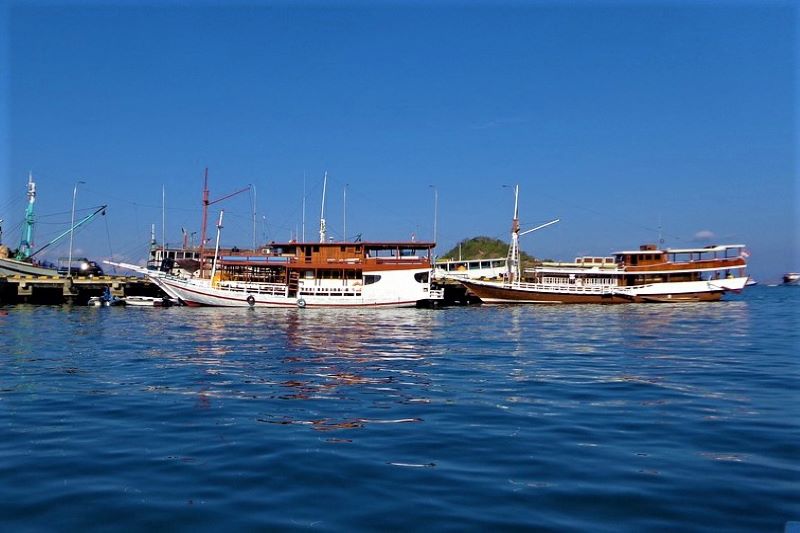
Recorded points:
(345, 363)
(602, 356)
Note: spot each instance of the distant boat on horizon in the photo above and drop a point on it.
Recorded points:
(791, 278)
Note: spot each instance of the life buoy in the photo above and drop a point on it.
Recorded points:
(301, 303)
(251, 301)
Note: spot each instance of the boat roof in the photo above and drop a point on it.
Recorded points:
(445, 260)
(705, 249)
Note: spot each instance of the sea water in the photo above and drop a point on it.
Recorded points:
(583, 418)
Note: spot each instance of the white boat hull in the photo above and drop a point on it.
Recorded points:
(13, 267)
(395, 289)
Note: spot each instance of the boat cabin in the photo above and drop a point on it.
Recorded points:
(324, 266)
(646, 255)
(472, 268)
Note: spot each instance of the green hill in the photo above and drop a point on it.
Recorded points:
(482, 248)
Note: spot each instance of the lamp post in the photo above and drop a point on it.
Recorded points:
(72, 229)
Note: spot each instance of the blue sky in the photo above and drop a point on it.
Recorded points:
(617, 117)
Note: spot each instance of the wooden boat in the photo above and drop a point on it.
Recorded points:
(310, 274)
(646, 275)
(377, 274)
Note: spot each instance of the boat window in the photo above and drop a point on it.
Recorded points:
(369, 279)
(421, 277)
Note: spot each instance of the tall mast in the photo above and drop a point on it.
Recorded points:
(254, 216)
(163, 222)
(216, 247)
(26, 242)
(304, 206)
(513, 250)
(344, 214)
(205, 214)
(322, 213)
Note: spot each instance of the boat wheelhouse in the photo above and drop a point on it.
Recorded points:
(177, 261)
(470, 269)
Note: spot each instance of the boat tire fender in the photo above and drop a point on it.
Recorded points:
(250, 300)
(301, 303)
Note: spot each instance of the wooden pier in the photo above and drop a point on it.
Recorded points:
(71, 290)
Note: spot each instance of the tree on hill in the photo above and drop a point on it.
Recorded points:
(482, 248)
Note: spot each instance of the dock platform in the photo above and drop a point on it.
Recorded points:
(71, 290)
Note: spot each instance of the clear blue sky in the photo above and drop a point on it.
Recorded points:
(614, 116)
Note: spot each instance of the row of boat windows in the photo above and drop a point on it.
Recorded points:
(177, 254)
(636, 258)
(470, 265)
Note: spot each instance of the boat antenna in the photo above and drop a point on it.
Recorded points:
(26, 242)
(216, 247)
(322, 213)
(304, 206)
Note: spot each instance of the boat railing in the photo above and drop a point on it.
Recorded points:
(349, 261)
(556, 287)
(275, 289)
(399, 260)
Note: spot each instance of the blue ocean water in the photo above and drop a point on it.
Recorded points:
(583, 418)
